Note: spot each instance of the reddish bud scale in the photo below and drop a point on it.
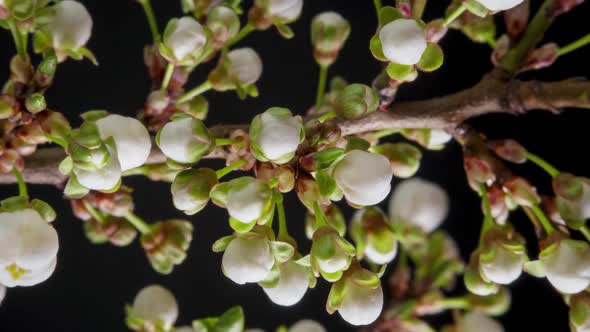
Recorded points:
(542, 57)
(516, 19)
(509, 150)
(478, 170)
(521, 191)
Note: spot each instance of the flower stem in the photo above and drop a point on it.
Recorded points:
(543, 164)
(93, 212)
(138, 223)
(283, 233)
(194, 92)
(326, 116)
(22, 186)
(18, 40)
(228, 169)
(321, 86)
(225, 141)
(488, 221)
(454, 303)
(320, 217)
(574, 46)
(455, 14)
(167, 76)
(585, 231)
(543, 219)
(149, 13)
(245, 31)
(377, 6)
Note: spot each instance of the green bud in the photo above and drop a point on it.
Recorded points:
(355, 101)
(579, 313)
(56, 127)
(329, 31)
(404, 158)
(331, 254)
(335, 219)
(46, 70)
(191, 188)
(167, 243)
(22, 9)
(6, 107)
(494, 305)
(475, 282)
(224, 24)
(35, 103)
(198, 107)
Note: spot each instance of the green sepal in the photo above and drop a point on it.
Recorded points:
(284, 30)
(304, 261)
(399, 72)
(231, 321)
(326, 183)
(74, 189)
(221, 244)
(16, 203)
(326, 158)
(331, 277)
(219, 193)
(66, 166)
(272, 278)
(365, 278)
(377, 48)
(432, 58)
(282, 251)
(357, 143)
(45, 210)
(94, 115)
(241, 227)
(41, 41)
(337, 293)
(535, 268)
(388, 14)
(86, 53)
(476, 8)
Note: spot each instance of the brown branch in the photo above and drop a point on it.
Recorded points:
(491, 95)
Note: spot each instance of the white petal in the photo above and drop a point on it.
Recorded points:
(439, 137)
(156, 303)
(497, 5)
(307, 325)
(176, 140)
(336, 263)
(286, 10)
(378, 257)
(505, 268)
(37, 275)
(188, 37)
(104, 178)
(247, 203)
(72, 25)
(131, 138)
(566, 267)
(476, 321)
(361, 305)
(39, 242)
(293, 283)
(403, 41)
(245, 65)
(2, 293)
(420, 203)
(364, 177)
(10, 245)
(247, 260)
(278, 136)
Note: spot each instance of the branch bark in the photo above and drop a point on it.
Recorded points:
(491, 95)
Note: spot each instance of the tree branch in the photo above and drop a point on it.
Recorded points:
(491, 95)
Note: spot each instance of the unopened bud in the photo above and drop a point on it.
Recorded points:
(32, 133)
(190, 189)
(308, 191)
(55, 125)
(224, 24)
(167, 243)
(329, 31)
(35, 103)
(283, 173)
(355, 101)
(198, 107)
(541, 57)
(579, 313)
(478, 169)
(21, 70)
(516, 19)
(521, 191)
(46, 70)
(7, 107)
(436, 30)
(495, 305)
(404, 158)
(510, 150)
(158, 101)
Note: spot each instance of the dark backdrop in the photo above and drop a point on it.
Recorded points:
(92, 283)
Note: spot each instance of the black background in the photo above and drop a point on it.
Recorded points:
(92, 283)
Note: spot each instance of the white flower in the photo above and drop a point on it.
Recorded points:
(245, 66)
(476, 321)
(497, 5)
(578, 208)
(278, 134)
(438, 137)
(178, 141)
(131, 138)
(2, 287)
(156, 304)
(505, 267)
(247, 259)
(568, 266)
(371, 250)
(403, 41)
(71, 27)
(104, 178)
(361, 305)
(184, 37)
(285, 10)
(307, 325)
(246, 202)
(293, 283)
(28, 248)
(363, 177)
(420, 203)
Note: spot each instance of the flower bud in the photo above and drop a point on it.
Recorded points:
(198, 107)
(331, 254)
(284, 11)
(572, 198)
(46, 70)
(154, 307)
(10, 159)
(292, 285)
(373, 238)
(284, 173)
(308, 191)
(71, 26)
(55, 125)
(275, 135)
(516, 19)
(183, 41)
(579, 313)
(185, 140)
(433, 139)
(248, 258)
(403, 41)
(476, 321)
(115, 230)
(356, 100)
(167, 243)
(7, 107)
(224, 24)
(241, 68)
(510, 150)
(541, 57)
(436, 30)
(31, 133)
(248, 199)
(361, 187)
(498, 5)
(478, 169)
(521, 191)
(494, 305)
(158, 101)
(190, 189)
(474, 282)
(335, 220)
(502, 256)
(28, 247)
(567, 265)
(306, 325)
(35, 103)
(358, 297)
(329, 31)
(404, 158)
(419, 203)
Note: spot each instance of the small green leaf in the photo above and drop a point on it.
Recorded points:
(388, 14)
(432, 58)
(282, 251)
(399, 72)
(13, 204)
(357, 143)
(74, 189)
(326, 183)
(231, 321)
(337, 293)
(284, 30)
(65, 167)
